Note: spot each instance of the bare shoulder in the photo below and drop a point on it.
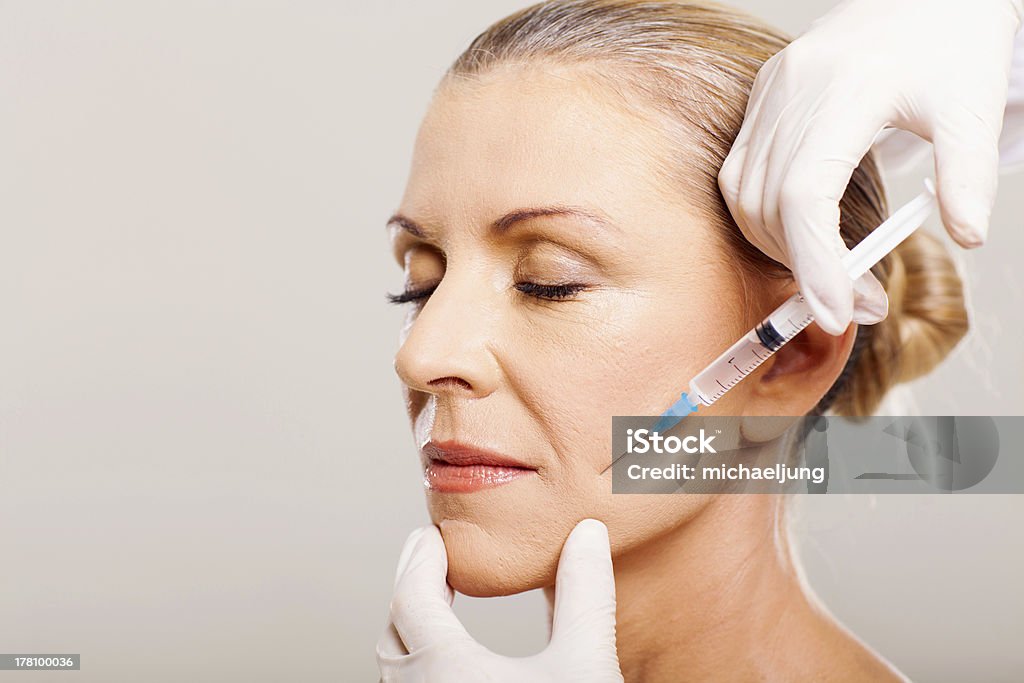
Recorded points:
(847, 658)
(810, 645)
(867, 665)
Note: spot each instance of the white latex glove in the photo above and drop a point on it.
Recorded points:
(425, 642)
(937, 68)
(901, 153)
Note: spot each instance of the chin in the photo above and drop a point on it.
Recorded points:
(485, 564)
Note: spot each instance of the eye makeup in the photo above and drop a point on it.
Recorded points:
(543, 266)
(411, 294)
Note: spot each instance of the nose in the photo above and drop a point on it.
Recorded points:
(447, 350)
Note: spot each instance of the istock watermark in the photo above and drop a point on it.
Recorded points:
(913, 454)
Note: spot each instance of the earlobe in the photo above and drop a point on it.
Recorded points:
(800, 373)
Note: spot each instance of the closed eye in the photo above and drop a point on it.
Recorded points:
(550, 292)
(411, 295)
(559, 292)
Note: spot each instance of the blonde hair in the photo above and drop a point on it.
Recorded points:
(696, 62)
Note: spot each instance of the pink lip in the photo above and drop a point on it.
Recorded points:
(452, 467)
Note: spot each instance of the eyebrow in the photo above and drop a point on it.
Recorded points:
(507, 221)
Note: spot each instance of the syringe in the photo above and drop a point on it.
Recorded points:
(758, 345)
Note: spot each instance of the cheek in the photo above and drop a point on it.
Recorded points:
(625, 353)
(569, 377)
(568, 370)
(511, 556)
(518, 549)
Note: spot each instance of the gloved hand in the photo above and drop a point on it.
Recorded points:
(937, 68)
(424, 640)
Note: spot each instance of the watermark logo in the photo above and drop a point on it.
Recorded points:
(720, 454)
(646, 441)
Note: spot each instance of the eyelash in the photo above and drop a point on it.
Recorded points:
(411, 295)
(550, 292)
(536, 290)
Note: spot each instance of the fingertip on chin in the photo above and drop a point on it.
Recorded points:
(589, 537)
(591, 528)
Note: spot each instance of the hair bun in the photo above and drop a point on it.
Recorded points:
(927, 319)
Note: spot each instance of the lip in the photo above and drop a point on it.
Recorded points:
(453, 467)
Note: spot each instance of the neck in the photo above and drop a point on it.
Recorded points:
(712, 595)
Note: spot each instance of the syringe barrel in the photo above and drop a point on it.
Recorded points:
(753, 349)
(794, 314)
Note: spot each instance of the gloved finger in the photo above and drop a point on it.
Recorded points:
(584, 614)
(389, 645)
(966, 175)
(818, 268)
(759, 93)
(1011, 138)
(730, 178)
(870, 302)
(788, 133)
(762, 226)
(744, 177)
(808, 199)
(407, 548)
(788, 111)
(734, 176)
(421, 606)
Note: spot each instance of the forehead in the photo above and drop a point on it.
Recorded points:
(537, 135)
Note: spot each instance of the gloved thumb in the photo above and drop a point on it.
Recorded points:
(421, 606)
(816, 261)
(870, 302)
(583, 626)
(808, 204)
(966, 175)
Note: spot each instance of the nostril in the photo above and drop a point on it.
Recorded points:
(450, 381)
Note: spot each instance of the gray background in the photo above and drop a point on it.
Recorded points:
(205, 470)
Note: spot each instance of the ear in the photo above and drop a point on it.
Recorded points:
(798, 374)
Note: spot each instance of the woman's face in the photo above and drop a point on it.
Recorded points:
(562, 279)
